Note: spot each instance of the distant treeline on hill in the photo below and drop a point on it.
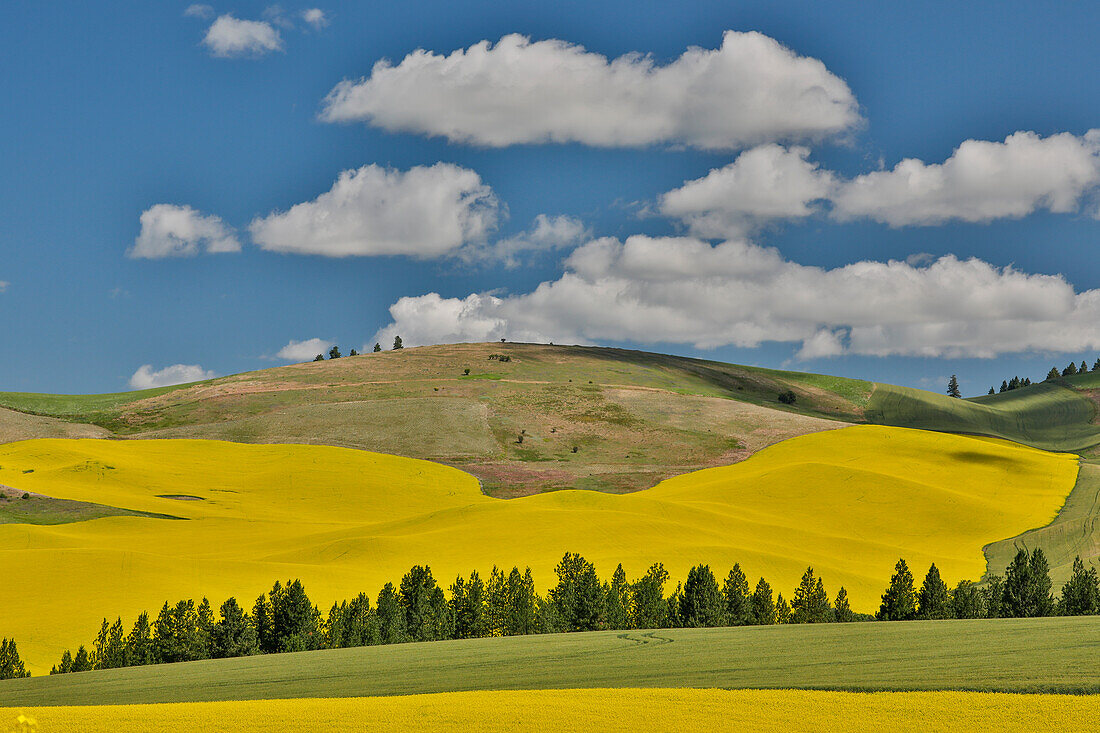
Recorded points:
(506, 604)
(1007, 385)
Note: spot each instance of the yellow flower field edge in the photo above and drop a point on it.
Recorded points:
(847, 502)
(764, 711)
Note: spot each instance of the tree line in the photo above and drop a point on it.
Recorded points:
(334, 352)
(506, 604)
(1007, 385)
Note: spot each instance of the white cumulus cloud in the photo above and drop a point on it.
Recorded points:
(684, 290)
(305, 350)
(980, 182)
(424, 212)
(230, 37)
(546, 234)
(146, 378)
(315, 17)
(199, 11)
(4, 285)
(765, 183)
(168, 230)
(748, 91)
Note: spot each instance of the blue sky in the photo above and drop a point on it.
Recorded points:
(114, 109)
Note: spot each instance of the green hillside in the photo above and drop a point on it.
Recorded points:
(1032, 655)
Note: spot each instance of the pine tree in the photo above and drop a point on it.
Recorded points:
(899, 601)
(782, 610)
(204, 630)
(139, 643)
(11, 666)
(966, 601)
(65, 665)
(261, 619)
(648, 609)
(1096, 364)
(933, 600)
(334, 352)
(672, 604)
(841, 609)
(295, 623)
(991, 391)
(1004, 386)
(497, 603)
(993, 597)
(735, 592)
(701, 603)
(1081, 593)
(578, 596)
(1070, 370)
(763, 607)
(391, 617)
(234, 633)
(1018, 587)
(468, 608)
(319, 357)
(110, 646)
(1084, 368)
(354, 353)
(522, 602)
(953, 387)
(81, 661)
(397, 343)
(617, 601)
(810, 604)
(1053, 373)
(427, 616)
(377, 347)
(1040, 602)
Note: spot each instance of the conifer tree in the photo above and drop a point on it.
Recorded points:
(578, 596)
(966, 601)
(1070, 370)
(334, 352)
(204, 630)
(522, 605)
(319, 357)
(763, 607)
(991, 391)
(899, 602)
(841, 610)
(424, 604)
(1041, 602)
(1004, 386)
(261, 620)
(701, 603)
(139, 643)
(66, 664)
(234, 634)
(1084, 368)
(1081, 593)
(648, 609)
(391, 617)
(468, 608)
(810, 604)
(617, 601)
(11, 666)
(81, 661)
(782, 610)
(377, 347)
(953, 387)
(735, 592)
(672, 604)
(932, 603)
(397, 343)
(1053, 373)
(1018, 590)
(993, 597)
(497, 603)
(1096, 364)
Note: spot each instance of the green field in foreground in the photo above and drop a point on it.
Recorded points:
(1006, 655)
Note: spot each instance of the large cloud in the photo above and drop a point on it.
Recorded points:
(981, 181)
(748, 91)
(683, 290)
(146, 378)
(423, 212)
(230, 37)
(765, 183)
(304, 350)
(168, 230)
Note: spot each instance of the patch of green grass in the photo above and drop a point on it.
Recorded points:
(1005, 655)
(46, 510)
(76, 407)
(486, 375)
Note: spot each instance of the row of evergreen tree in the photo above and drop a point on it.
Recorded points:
(1007, 385)
(334, 352)
(418, 609)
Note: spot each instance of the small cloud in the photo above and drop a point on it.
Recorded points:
(304, 350)
(4, 285)
(116, 293)
(197, 10)
(920, 259)
(146, 378)
(276, 15)
(823, 344)
(230, 37)
(547, 233)
(168, 230)
(316, 18)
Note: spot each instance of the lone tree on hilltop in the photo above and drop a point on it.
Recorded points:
(899, 602)
(397, 343)
(953, 387)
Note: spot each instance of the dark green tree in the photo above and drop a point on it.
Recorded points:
(139, 643)
(993, 596)
(1027, 586)
(841, 610)
(701, 605)
(11, 666)
(204, 628)
(1053, 373)
(899, 602)
(65, 665)
(427, 616)
(1081, 593)
(953, 387)
(967, 601)
(354, 353)
(578, 595)
(617, 601)
(763, 607)
(351, 624)
(1084, 368)
(1096, 364)
(738, 601)
(1070, 370)
(261, 620)
(391, 617)
(991, 391)
(648, 608)
(397, 343)
(234, 634)
(782, 610)
(810, 604)
(81, 662)
(110, 646)
(377, 348)
(1004, 386)
(468, 608)
(672, 606)
(334, 352)
(319, 357)
(933, 601)
(295, 622)
(1041, 601)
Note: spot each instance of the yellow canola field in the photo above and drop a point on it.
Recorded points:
(849, 502)
(765, 711)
